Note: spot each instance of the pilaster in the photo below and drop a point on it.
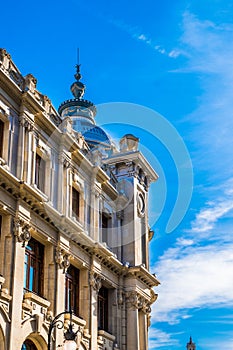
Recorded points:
(95, 285)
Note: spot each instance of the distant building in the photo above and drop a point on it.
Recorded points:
(74, 230)
(190, 345)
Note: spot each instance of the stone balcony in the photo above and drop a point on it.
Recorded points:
(106, 341)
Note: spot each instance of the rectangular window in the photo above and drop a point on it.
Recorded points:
(72, 290)
(103, 309)
(1, 137)
(75, 203)
(40, 172)
(33, 267)
(105, 224)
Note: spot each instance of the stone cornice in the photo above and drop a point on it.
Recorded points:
(141, 273)
(136, 157)
(10, 87)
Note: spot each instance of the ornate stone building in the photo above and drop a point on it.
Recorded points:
(74, 230)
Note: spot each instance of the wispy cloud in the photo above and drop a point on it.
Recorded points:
(207, 217)
(160, 339)
(137, 34)
(188, 280)
(198, 264)
(209, 54)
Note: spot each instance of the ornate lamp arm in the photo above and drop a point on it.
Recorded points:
(58, 324)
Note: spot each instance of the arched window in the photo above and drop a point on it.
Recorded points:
(28, 345)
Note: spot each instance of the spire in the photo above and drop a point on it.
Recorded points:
(78, 105)
(190, 345)
(78, 88)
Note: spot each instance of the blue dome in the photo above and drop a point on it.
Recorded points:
(95, 136)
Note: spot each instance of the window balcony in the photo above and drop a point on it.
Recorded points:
(106, 341)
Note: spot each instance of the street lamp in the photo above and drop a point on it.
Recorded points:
(69, 335)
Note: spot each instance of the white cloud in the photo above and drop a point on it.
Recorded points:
(174, 53)
(158, 339)
(142, 37)
(207, 217)
(196, 273)
(184, 241)
(193, 277)
(209, 51)
(218, 342)
(136, 33)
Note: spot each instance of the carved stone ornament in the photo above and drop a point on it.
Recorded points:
(95, 281)
(27, 124)
(66, 163)
(120, 297)
(153, 296)
(136, 301)
(62, 258)
(141, 204)
(21, 231)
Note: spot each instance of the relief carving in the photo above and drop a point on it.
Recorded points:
(22, 231)
(136, 301)
(95, 281)
(62, 258)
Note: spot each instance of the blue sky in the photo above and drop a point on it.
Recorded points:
(175, 60)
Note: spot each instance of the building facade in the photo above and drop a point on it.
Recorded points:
(74, 232)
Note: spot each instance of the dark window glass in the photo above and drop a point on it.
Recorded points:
(40, 173)
(75, 203)
(104, 227)
(1, 136)
(33, 267)
(28, 345)
(103, 309)
(72, 290)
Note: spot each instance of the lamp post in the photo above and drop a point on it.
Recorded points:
(69, 335)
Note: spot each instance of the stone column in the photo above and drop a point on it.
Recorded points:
(132, 322)
(143, 335)
(6, 250)
(94, 222)
(20, 155)
(84, 308)
(59, 187)
(95, 284)
(67, 203)
(22, 235)
(27, 157)
(62, 259)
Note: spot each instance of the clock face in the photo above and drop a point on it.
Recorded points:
(141, 204)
